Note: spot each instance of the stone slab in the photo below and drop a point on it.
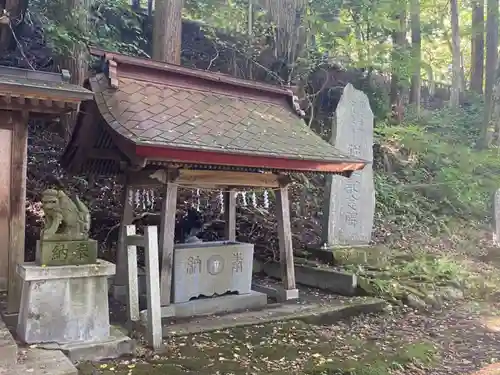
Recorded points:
(33, 272)
(312, 313)
(211, 268)
(350, 202)
(115, 346)
(210, 306)
(322, 278)
(8, 346)
(41, 362)
(64, 304)
(61, 253)
(496, 216)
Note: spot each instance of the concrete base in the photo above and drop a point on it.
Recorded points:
(289, 294)
(211, 306)
(64, 304)
(116, 345)
(41, 362)
(277, 293)
(321, 278)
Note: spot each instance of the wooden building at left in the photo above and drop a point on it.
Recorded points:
(24, 93)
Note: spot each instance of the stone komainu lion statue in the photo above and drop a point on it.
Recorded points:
(65, 218)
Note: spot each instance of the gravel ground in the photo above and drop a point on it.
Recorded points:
(460, 339)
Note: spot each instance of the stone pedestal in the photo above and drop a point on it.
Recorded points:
(211, 268)
(66, 305)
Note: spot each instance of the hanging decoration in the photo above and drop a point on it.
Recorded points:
(244, 198)
(221, 201)
(254, 199)
(266, 199)
(198, 200)
(137, 197)
(130, 197)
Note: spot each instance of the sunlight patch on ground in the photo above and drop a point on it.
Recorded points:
(491, 323)
(493, 369)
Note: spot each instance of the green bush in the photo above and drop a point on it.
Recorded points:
(431, 175)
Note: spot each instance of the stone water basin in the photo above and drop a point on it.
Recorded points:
(211, 268)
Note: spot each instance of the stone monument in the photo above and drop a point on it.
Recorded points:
(350, 202)
(64, 302)
(496, 214)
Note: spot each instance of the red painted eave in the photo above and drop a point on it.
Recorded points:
(249, 161)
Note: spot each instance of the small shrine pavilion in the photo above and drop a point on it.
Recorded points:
(24, 93)
(157, 124)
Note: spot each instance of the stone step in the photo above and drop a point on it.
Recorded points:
(40, 362)
(8, 346)
(309, 312)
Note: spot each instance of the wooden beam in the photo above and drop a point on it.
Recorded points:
(197, 178)
(285, 238)
(19, 158)
(11, 103)
(230, 215)
(168, 212)
(121, 252)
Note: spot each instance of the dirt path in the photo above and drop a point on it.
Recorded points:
(460, 340)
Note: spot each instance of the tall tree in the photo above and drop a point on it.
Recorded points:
(397, 57)
(167, 31)
(477, 47)
(491, 65)
(456, 57)
(416, 46)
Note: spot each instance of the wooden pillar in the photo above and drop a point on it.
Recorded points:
(168, 211)
(285, 243)
(230, 215)
(19, 160)
(5, 172)
(127, 218)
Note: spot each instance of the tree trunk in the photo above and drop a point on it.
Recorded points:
(167, 31)
(495, 106)
(14, 12)
(290, 35)
(416, 45)
(456, 62)
(491, 65)
(77, 60)
(399, 44)
(477, 47)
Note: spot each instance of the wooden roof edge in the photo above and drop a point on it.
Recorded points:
(211, 157)
(89, 111)
(190, 72)
(63, 77)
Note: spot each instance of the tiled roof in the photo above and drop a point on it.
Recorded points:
(36, 83)
(169, 116)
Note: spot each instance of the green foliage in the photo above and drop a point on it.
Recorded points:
(437, 176)
(108, 24)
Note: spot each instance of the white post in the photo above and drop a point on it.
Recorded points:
(154, 328)
(133, 280)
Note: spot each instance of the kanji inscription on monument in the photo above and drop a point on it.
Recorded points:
(496, 204)
(350, 202)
